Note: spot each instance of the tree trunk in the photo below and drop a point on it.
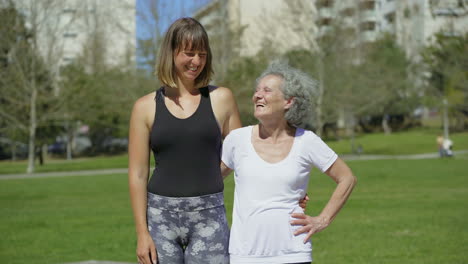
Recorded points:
(386, 128)
(69, 130)
(32, 128)
(13, 151)
(321, 89)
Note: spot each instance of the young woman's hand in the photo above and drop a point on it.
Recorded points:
(146, 250)
(303, 202)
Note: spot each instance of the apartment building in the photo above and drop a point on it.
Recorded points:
(419, 20)
(284, 25)
(67, 29)
(365, 19)
(414, 22)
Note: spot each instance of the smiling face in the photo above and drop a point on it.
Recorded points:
(189, 63)
(268, 99)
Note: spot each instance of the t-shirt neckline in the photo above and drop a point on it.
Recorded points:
(293, 147)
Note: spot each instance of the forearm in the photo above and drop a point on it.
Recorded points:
(138, 197)
(338, 199)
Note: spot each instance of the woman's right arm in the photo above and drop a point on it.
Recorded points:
(225, 170)
(138, 170)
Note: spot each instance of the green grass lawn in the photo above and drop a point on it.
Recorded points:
(402, 211)
(400, 143)
(94, 163)
(411, 142)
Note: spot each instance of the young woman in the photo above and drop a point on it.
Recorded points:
(179, 214)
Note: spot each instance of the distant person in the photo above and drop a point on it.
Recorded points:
(447, 146)
(360, 149)
(440, 145)
(179, 214)
(272, 162)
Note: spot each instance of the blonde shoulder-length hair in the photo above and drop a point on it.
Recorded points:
(183, 33)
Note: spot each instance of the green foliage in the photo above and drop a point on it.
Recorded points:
(241, 79)
(23, 73)
(382, 80)
(103, 100)
(447, 62)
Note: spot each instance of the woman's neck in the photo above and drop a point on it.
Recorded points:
(275, 130)
(183, 88)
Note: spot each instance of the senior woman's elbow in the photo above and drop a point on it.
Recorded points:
(350, 179)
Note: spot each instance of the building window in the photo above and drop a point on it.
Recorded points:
(68, 10)
(67, 60)
(390, 17)
(324, 21)
(69, 35)
(407, 12)
(324, 3)
(347, 11)
(367, 5)
(368, 26)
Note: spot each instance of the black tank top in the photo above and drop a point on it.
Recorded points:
(187, 151)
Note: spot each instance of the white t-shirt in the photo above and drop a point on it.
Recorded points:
(267, 193)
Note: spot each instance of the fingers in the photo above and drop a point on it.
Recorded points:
(302, 205)
(308, 236)
(303, 202)
(298, 215)
(304, 229)
(154, 257)
(144, 258)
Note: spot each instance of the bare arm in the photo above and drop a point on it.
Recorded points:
(138, 152)
(225, 108)
(342, 175)
(226, 111)
(225, 170)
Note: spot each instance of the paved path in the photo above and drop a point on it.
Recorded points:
(124, 171)
(98, 262)
(410, 157)
(62, 174)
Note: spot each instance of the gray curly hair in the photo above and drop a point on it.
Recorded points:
(296, 84)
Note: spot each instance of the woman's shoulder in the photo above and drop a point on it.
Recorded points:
(241, 132)
(145, 105)
(306, 134)
(220, 92)
(146, 100)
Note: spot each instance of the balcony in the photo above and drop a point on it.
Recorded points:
(326, 21)
(347, 12)
(367, 26)
(368, 15)
(368, 36)
(325, 12)
(367, 5)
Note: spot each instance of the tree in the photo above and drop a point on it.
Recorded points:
(149, 41)
(25, 76)
(446, 62)
(382, 86)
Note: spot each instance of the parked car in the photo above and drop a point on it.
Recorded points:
(114, 145)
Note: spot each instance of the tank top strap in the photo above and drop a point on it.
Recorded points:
(205, 92)
(160, 104)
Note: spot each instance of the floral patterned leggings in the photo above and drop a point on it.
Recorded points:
(189, 230)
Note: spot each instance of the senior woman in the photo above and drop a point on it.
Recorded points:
(272, 161)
